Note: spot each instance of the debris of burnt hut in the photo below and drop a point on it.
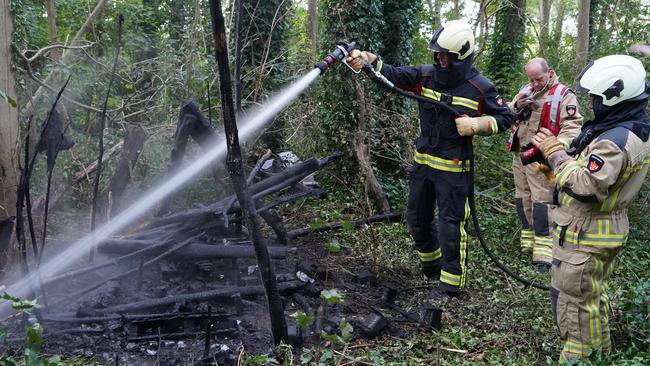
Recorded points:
(184, 286)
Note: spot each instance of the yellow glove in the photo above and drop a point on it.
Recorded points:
(547, 143)
(470, 126)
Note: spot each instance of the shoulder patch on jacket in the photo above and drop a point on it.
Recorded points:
(595, 163)
(571, 110)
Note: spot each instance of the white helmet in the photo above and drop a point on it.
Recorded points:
(616, 78)
(455, 36)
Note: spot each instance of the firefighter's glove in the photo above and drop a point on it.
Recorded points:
(470, 126)
(547, 143)
(356, 59)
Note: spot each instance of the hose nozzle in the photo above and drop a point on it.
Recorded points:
(340, 53)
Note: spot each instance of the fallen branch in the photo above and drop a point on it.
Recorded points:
(224, 293)
(390, 217)
(192, 251)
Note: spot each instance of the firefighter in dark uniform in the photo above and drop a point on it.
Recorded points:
(442, 158)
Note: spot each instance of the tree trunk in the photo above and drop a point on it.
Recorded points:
(582, 42)
(9, 129)
(543, 28)
(134, 139)
(506, 49)
(559, 21)
(313, 23)
(67, 55)
(51, 23)
(234, 163)
(371, 186)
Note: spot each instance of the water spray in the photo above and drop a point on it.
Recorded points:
(260, 119)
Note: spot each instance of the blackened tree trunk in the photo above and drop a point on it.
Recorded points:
(134, 138)
(234, 163)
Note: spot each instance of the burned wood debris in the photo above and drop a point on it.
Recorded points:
(157, 282)
(186, 284)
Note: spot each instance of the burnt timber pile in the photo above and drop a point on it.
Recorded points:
(185, 288)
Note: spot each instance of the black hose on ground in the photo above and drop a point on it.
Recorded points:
(380, 79)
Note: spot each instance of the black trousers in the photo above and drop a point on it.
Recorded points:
(444, 241)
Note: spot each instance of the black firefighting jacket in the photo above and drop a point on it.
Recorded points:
(468, 92)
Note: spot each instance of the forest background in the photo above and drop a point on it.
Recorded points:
(166, 58)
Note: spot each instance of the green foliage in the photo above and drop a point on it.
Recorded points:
(303, 320)
(33, 338)
(332, 297)
(334, 246)
(506, 47)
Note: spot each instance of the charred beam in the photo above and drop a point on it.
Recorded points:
(234, 163)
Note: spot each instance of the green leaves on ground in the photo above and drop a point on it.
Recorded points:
(332, 296)
(303, 320)
(334, 246)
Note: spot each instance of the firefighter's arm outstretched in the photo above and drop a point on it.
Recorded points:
(404, 77)
(496, 116)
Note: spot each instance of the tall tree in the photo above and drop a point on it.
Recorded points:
(312, 6)
(51, 23)
(264, 27)
(582, 41)
(342, 99)
(545, 12)
(9, 128)
(506, 51)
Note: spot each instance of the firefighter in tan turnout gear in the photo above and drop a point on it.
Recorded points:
(597, 178)
(543, 102)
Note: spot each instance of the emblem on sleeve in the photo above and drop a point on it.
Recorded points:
(595, 163)
(571, 110)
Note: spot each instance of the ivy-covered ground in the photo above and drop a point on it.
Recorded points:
(500, 322)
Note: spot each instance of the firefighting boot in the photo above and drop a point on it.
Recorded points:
(430, 269)
(543, 268)
(442, 292)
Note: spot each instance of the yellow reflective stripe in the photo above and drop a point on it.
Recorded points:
(565, 171)
(464, 102)
(431, 256)
(543, 251)
(572, 237)
(608, 204)
(380, 63)
(544, 240)
(449, 278)
(591, 304)
(464, 240)
(603, 226)
(566, 199)
(441, 164)
(455, 100)
(494, 125)
(577, 348)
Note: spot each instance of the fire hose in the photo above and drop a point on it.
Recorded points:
(340, 53)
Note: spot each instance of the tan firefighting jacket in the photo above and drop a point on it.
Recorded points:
(594, 191)
(570, 118)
